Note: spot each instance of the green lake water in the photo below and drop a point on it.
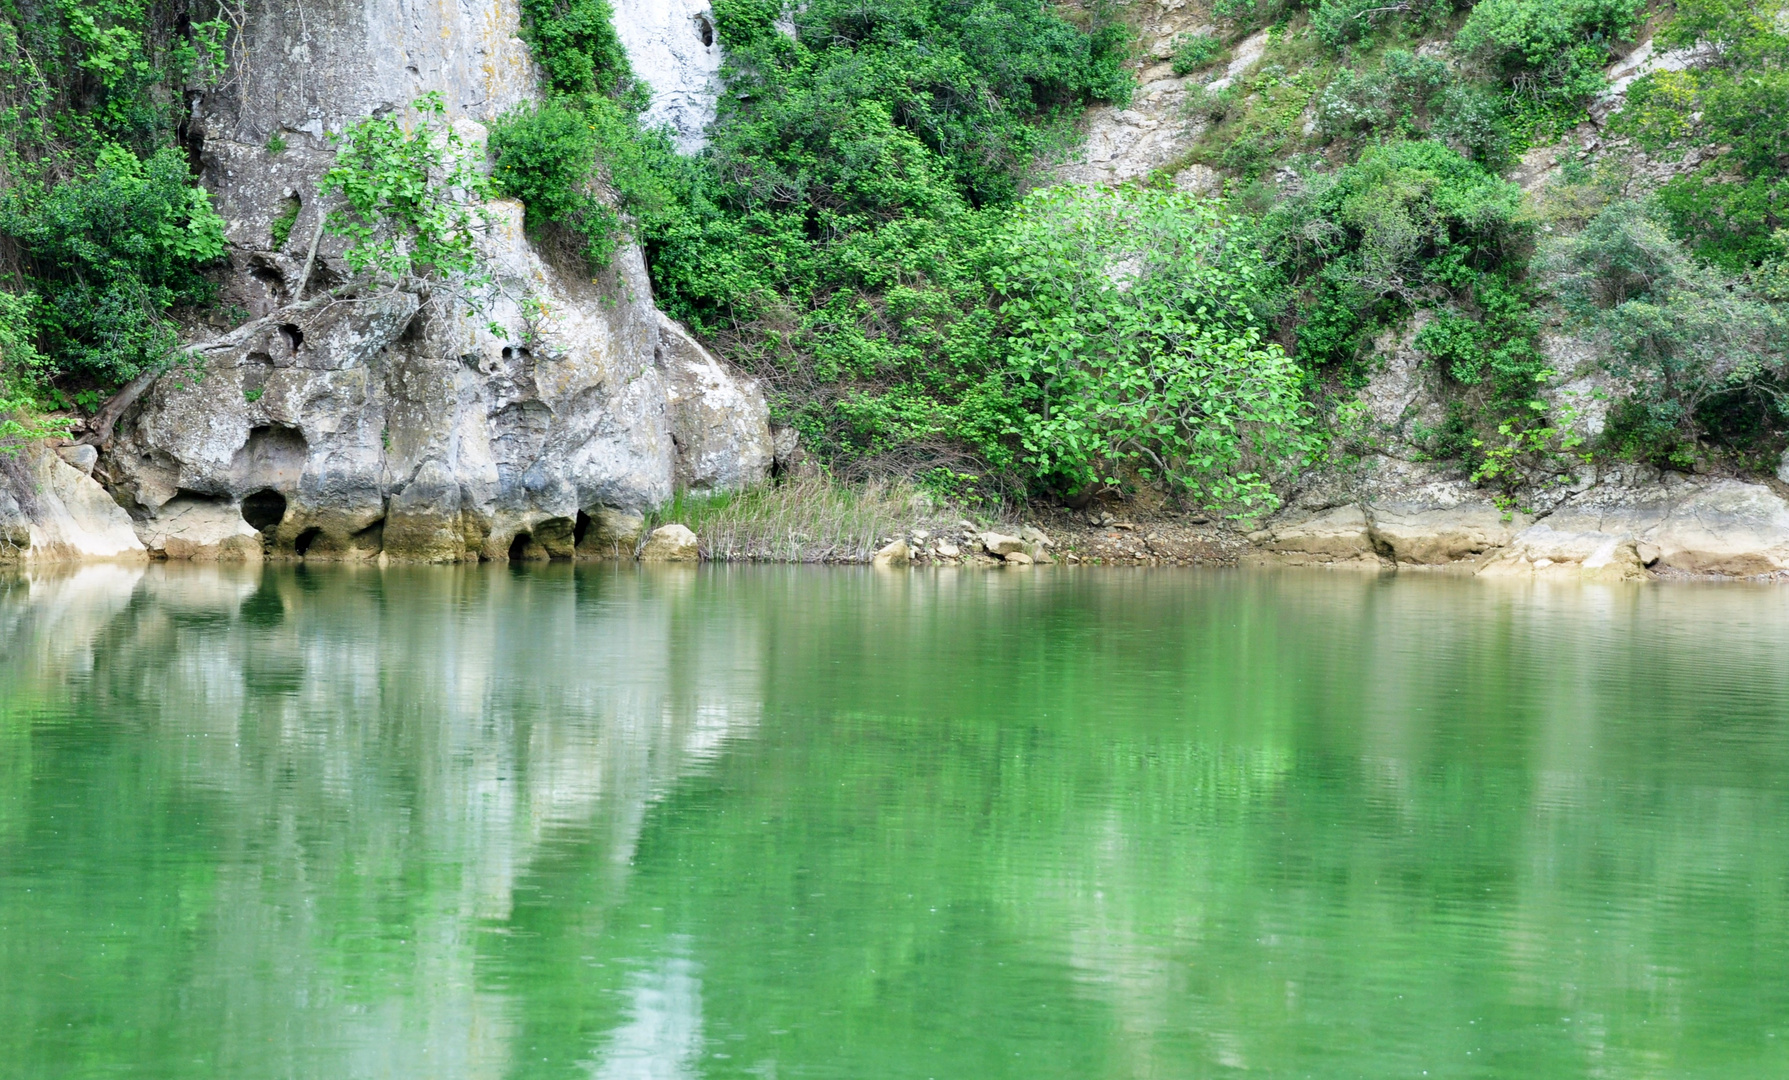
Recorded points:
(780, 823)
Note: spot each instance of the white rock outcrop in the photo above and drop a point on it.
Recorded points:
(671, 543)
(1614, 531)
(51, 511)
(672, 47)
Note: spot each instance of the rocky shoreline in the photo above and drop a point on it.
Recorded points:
(1630, 525)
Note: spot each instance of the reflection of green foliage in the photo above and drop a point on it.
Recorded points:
(998, 832)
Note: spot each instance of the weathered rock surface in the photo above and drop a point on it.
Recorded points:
(1611, 531)
(51, 511)
(891, 555)
(671, 543)
(611, 534)
(1157, 128)
(202, 530)
(1715, 527)
(351, 422)
(1001, 544)
(673, 48)
(1439, 532)
(720, 424)
(1332, 536)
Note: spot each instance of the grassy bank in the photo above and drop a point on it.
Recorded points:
(809, 520)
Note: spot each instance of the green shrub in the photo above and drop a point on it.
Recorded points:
(546, 156)
(1702, 354)
(1550, 51)
(1400, 98)
(1194, 51)
(829, 237)
(111, 249)
(575, 44)
(1257, 122)
(1130, 339)
(1248, 14)
(412, 199)
(1411, 225)
(102, 229)
(1339, 22)
(281, 229)
(1732, 103)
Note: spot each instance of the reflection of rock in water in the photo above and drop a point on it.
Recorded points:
(387, 753)
(662, 1037)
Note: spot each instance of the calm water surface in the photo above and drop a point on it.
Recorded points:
(796, 823)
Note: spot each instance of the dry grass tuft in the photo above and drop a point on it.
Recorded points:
(807, 520)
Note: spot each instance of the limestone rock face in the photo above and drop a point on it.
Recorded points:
(1335, 536)
(673, 48)
(202, 530)
(611, 534)
(1610, 531)
(348, 421)
(1432, 534)
(1722, 528)
(51, 511)
(719, 421)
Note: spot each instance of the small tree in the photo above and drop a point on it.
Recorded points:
(412, 201)
(1697, 349)
(1131, 341)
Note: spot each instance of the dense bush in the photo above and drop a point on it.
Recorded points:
(1701, 355)
(1130, 339)
(575, 44)
(1411, 225)
(828, 237)
(1194, 51)
(1549, 51)
(411, 196)
(101, 226)
(1412, 96)
(1340, 22)
(1401, 97)
(1733, 102)
(110, 248)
